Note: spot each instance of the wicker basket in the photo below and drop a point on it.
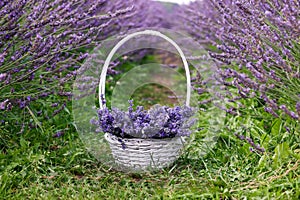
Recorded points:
(143, 154)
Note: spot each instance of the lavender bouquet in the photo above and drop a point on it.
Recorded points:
(157, 123)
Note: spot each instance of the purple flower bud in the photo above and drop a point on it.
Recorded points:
(298, 107)
(2, 76)
(22, 104)
(58, 134)
(54, 105)
(3, 104)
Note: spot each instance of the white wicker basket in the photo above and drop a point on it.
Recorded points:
(143, 154)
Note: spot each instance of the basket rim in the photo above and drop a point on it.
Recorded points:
(144, 139)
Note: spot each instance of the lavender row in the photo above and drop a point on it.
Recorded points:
(258, 48)
(43, 43)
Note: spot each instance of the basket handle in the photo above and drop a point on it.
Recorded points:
(125, 39)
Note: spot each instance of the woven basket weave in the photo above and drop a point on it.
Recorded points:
(144, 154)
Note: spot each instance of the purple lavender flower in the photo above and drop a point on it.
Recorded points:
(254, 147)
(298, 107)
(3, 104)
(158, 122)
(2, 77)
(59, 134)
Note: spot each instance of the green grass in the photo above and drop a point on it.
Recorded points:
(36, 165)
(151, 94)
(59, 168)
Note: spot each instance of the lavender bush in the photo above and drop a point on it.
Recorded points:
(257, 47)
(40, 45)
(43, 43)
(158, 122)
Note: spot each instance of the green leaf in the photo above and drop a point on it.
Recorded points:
(262, 162)
(35, 119)
(281, 154)
(67, 110)
(276, 127)
(24, 144)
